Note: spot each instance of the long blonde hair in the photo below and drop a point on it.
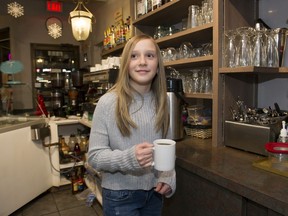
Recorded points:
(125, 91)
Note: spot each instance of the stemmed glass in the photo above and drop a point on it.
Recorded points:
(230, 49)
(272, 50)
(244, 51)
(259, 49)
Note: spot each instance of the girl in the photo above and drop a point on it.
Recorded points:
(127, 119)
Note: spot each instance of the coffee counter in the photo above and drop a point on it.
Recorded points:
(223, 181)
(10, 123)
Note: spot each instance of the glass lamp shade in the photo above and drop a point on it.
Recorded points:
(81, 22)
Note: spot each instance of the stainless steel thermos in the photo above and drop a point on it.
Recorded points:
(175, 97)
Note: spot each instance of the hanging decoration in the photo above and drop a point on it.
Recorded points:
(15, 9)
(54, 27)
(55, 31)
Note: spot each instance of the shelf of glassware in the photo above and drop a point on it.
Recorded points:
(254, 69)
(197, 34)
(191, 62)
(165, 14)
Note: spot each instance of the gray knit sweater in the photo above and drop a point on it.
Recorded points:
(114, 155)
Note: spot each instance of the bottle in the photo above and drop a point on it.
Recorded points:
(63, 146)
(77, 149)
(140, 8)
(283, 134)
(83, 143)
(74, 183)
(72, 142)
(156, 4)
(148, 6)
(80, 180)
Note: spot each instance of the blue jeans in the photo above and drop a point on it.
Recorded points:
(131, 202)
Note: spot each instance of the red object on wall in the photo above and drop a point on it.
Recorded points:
(54, 6)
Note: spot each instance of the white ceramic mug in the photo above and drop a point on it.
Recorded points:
(164, 154)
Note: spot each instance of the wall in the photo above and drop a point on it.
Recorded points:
(271, 89)
(105, 18)
(30, 28)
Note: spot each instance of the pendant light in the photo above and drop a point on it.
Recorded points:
(81, 21)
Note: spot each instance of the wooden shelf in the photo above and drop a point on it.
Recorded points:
(252, 69)
(167, 14)
(191, 62)
(283, 69)
(117, 50)
(199, 95)
(198, 35)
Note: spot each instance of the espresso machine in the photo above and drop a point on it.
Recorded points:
(98, 82)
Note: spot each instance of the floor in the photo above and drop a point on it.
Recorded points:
(60, 202)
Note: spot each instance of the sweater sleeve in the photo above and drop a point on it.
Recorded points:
(169, 178)
(100, 155)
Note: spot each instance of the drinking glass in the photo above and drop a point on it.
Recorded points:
(272, 49)
(171, 54)
(186, 50)
(207, 77)
(186, 82)
(230, 49)
(160, 32)
(195, 80)
(193, 15)
(244, 51)
(259, 49)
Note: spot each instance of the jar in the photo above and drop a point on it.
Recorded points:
(278, 155)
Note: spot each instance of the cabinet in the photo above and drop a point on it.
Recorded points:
(198, 196)
(25, 169)
(64, 128)
(172, 13)
(244, 82)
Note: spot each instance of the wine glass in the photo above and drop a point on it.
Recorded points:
(272, 50)
(259, 49)
(244, 51)
(230, 49)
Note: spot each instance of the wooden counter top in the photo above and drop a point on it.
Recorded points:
(233, 170)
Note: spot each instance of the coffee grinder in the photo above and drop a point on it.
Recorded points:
(76, 94)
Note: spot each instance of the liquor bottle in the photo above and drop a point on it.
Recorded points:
(140, 8)
(63, 146)
(74, 183)
(148, 6)
(77, 149)
(80, 180)
(84, 143)
(72, 141)
(156, 4)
